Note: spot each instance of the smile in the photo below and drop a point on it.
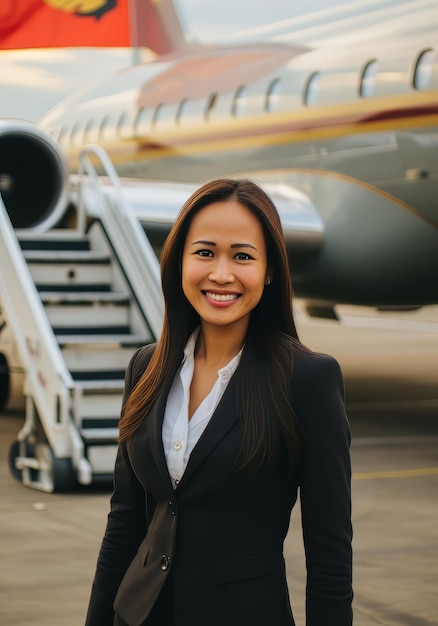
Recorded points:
(221, 297)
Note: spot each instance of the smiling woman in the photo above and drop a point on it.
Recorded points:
(224, 267)
(222, 422)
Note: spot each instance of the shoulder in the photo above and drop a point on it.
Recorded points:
(318, 393)
(310, 368)
(143, 355)
(138, 363)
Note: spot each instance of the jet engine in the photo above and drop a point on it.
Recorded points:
(33, 176)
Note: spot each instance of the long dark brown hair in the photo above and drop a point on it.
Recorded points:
(267, 359)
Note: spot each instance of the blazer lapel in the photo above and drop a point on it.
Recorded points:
(151, 433)
(154, 428)
(221, 422)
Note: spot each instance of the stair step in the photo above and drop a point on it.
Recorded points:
(100, 329)
(55, 244)
(91, 423)
(99, 435)
(94, 376)
(85, 297)
(92, 288)
(85, 318)
(82, 360)
(95, 386)
(101, 340)
(77, 257)
(95, 404)
(101, 451)
(71, 276)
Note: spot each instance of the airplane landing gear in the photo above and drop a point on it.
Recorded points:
(36, 466)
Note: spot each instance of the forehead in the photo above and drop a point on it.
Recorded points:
(228, 217)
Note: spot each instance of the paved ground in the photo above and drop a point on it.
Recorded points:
(49, 543)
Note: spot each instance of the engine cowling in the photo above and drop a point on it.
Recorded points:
(33, 176)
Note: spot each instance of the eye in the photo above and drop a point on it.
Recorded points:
(243, 256)
(206, 253)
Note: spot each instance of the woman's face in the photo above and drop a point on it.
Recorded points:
(224, 264)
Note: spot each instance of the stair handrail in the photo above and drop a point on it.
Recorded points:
(47, 379)
(126, 233)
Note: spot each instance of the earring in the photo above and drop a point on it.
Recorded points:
(268, 281)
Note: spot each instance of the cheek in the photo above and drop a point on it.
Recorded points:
(191, 274)
(255, 281)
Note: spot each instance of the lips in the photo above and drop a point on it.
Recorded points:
(221, 297)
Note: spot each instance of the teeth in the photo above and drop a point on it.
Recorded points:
(224, 297)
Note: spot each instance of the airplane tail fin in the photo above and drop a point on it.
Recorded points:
(91, 23)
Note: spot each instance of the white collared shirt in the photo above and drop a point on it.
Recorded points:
(180, 434)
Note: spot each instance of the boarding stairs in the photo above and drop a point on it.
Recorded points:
(80, 301)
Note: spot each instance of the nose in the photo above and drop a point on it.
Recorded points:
(221, 273)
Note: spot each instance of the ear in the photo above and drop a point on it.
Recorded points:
(268, 277)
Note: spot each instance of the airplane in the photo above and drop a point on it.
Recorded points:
(339, 124)
(342, 111)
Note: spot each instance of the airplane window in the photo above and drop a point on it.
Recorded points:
(238, 102)
(62, 134)
(273, 95)
(103, 128)
(88, 131)
(143, 121)
(210, 105)
(368, 79)
(122, 123)
(423, 69)
(74, 136)
(157, 114)
(181, 108)
(312, 89)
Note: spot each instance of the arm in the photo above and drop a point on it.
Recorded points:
(126, 526)
(325, 492)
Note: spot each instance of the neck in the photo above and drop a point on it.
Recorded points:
(218, 345)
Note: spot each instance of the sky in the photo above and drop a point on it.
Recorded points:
(204, 21)
(33, 81)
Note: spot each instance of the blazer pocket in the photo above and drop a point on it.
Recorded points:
(245, 568)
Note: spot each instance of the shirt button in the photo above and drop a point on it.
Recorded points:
(164, 562)
(225, 375)
(177, 445)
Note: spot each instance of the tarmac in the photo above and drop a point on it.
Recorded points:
(49, 543)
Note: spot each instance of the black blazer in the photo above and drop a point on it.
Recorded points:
(217, 539)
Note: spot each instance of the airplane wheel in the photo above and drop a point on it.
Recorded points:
(14, 452)
(57, 475)
(53, 475)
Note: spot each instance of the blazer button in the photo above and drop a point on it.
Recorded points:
(164, 562)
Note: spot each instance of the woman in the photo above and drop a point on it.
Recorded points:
(223, 421)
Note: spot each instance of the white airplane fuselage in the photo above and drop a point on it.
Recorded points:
(351, 122)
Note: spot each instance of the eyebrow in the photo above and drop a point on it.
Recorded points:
(233, 245)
